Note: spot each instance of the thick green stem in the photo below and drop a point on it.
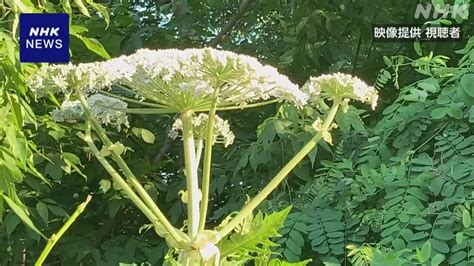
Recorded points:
(55, 237)
(248, 209)
(192, 185)
(130, 176)
(119, 181)
(206, 167)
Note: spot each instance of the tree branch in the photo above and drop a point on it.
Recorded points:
(231, 23)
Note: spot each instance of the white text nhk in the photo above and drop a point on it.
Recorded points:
(44, 43)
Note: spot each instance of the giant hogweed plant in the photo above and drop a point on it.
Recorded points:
(195, 84)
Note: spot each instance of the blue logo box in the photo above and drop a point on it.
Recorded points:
(44, 38)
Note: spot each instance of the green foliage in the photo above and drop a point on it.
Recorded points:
(253, 238)
(406, 186)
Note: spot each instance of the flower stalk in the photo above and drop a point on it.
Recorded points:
(55, 237)
(206, 172)
(280, 176)
(192, 185)
(142, 196)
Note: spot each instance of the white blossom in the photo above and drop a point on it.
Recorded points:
(178, 79)
(102, 107)
(222, 132)
(342, 86)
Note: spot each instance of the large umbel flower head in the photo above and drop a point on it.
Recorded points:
(174, 80)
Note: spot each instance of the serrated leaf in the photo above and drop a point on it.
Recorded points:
(261, 230)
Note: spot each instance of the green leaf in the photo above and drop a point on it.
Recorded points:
(455, 111)
(105, 185)
(430, 85)
(440, 246)
(459, 237)
(466, 218)
(118, 148)
(93, 45)
(443, 234)
(101, 9)
(439, 113)
(417, 47)
(82, 7)
(437, 259)
(257, 239)
(467, 84)
(66, 6)
(425, 252)
(471, 114)
(457, 257)
(43, 211)
(11, 222)
(147, 136)
(23, 215)
(387, 60)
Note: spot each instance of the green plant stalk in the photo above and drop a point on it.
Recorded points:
(192, 185)
(127, 190)
(55, 237)
(131, 178)
(206, 167)
(268, 189)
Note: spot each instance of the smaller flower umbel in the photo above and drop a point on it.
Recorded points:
(341, 86)
(102, 107)
(222, 133)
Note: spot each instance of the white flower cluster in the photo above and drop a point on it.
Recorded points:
(343, 86)
(167, 76)
(222, 132)
(101, 106)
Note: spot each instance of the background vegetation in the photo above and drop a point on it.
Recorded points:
(399, 179)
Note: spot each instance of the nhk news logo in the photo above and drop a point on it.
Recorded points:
(44, 38)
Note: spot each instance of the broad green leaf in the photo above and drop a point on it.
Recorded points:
(23, 215)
